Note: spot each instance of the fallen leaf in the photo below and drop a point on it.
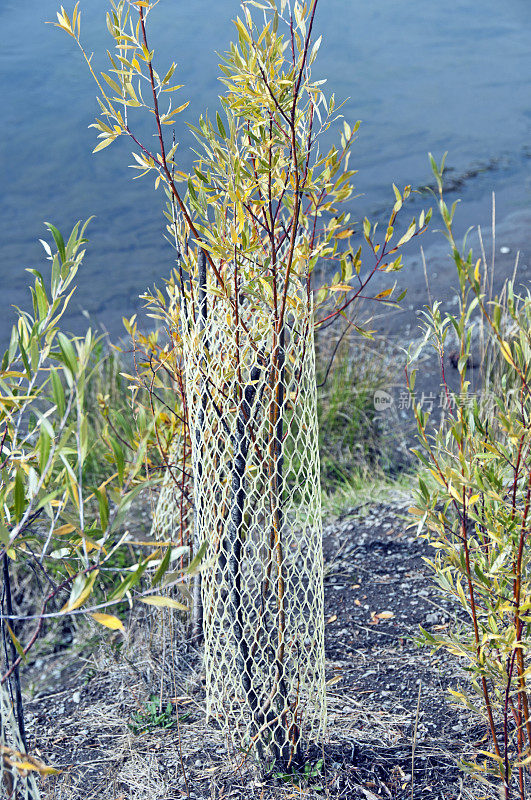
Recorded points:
(368, 794)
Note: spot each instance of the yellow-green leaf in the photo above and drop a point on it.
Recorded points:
(81, 589)
(163, 602)
(109, 621)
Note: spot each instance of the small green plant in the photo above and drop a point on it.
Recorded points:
(306, 774)
(54, 518)
(474, 507)
(154, 716)
(56, 524)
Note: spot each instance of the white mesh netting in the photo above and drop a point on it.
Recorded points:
(255, 462)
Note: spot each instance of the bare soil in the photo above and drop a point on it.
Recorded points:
(392, 730)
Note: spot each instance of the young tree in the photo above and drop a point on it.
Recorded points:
(259, 210)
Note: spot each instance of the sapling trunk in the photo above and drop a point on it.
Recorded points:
(283, 746)
(234, 546)
(14, 655)
(19, 708)
(197, 607)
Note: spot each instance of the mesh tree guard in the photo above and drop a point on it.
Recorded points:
(255, 461)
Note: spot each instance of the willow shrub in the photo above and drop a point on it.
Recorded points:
(250, 221)
(56, 524)
(473, 505)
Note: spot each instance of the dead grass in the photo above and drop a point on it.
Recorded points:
(102, 759)
(80, 723)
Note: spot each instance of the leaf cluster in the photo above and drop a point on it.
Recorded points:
(263, 201)
(54, 427)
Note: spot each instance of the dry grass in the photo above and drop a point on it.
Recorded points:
(367, 753)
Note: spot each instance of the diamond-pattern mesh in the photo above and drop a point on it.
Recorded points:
(255, 462)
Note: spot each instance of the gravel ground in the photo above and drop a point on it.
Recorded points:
(381, 689)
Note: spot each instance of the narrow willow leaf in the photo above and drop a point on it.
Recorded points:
(163, 602)
(109, 621)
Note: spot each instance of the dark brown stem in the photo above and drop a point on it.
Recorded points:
(506, 771)
(199, 533)
(163, 163)
(473, 612)
(16, 673)
(522, 690)
(15, 664)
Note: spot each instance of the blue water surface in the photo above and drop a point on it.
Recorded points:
(422, 76)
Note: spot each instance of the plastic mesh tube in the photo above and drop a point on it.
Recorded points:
(255, 463)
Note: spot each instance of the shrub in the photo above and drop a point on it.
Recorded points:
(56, 524)
(473, 506)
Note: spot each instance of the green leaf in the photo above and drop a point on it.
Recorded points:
(19, 495)
(83, 439)
(119, 458)
(128, 582)
(58, 239)
(221, 127)
(103, 503)
(196, 561)
(18, 646)
(46, 498)
(68, 352)
(45, 442)
(58, 392)
(163, 566)
(42, 300)
(24, 358)
(169, 74)
(4, 534)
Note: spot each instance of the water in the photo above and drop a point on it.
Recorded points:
(421, 76)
